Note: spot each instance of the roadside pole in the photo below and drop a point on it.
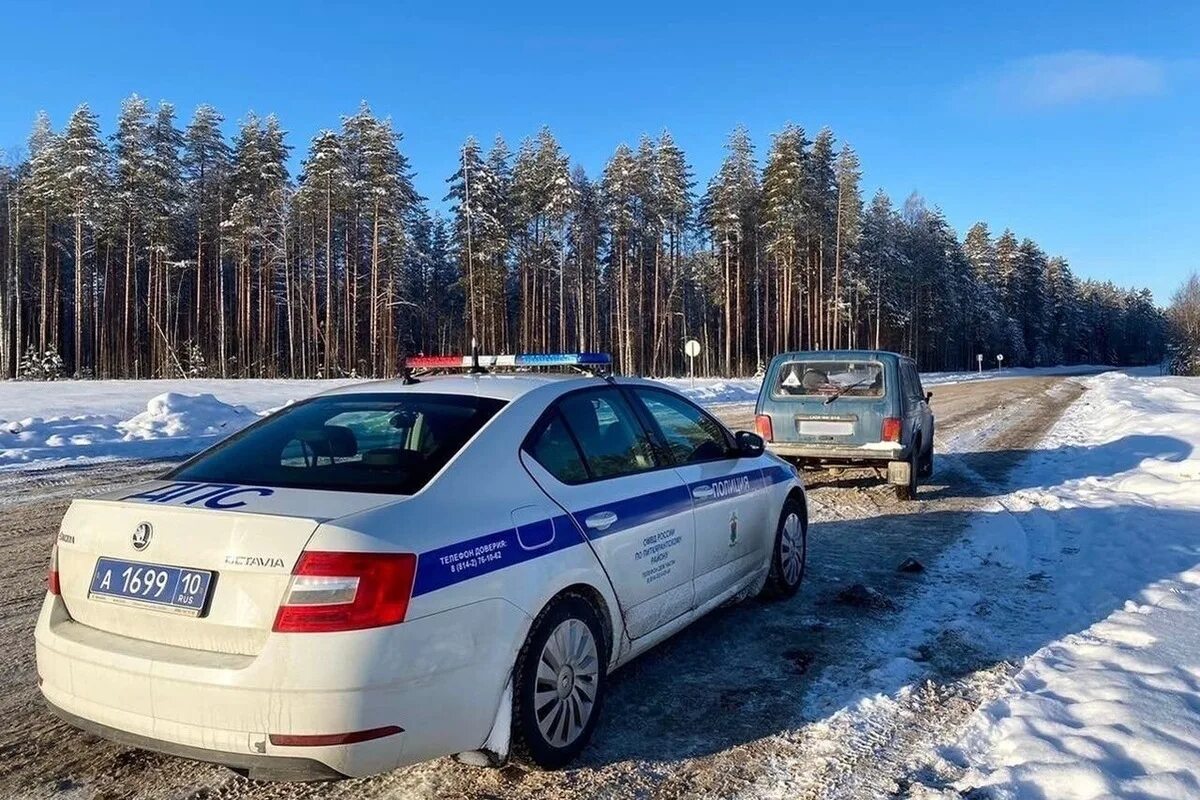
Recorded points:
(979, 361)
(691, 349)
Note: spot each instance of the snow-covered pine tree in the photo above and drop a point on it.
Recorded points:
(85, 183)
(206, 163)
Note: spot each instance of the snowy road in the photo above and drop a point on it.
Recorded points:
(799, 699)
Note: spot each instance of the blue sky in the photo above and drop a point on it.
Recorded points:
(1077, 124)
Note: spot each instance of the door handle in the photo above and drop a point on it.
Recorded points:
(702, 491)
(601, 521)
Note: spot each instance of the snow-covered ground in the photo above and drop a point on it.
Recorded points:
(71, 421)
(1108, 528)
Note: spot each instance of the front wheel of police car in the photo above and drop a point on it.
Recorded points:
(560, 683)
(791, 551)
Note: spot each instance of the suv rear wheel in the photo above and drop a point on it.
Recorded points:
(908, 491)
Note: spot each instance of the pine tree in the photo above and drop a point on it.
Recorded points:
(85, 182)
(730, 212)
(618, 190)
(133, 176)
(325, 187)
(206, 164)
(783, 191)
(848, 228)
(43, 205)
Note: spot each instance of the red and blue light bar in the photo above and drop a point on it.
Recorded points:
(517, 360)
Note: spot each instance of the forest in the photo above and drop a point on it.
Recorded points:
(165, 249)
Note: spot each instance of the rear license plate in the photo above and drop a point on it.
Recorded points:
(181, 590)
(821, 427)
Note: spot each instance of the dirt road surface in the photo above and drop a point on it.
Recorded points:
(755, 700)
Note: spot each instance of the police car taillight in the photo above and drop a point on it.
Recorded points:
(52, 584)
(346, 592)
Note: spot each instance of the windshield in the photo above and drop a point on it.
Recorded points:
(391, 443)
(829, 379)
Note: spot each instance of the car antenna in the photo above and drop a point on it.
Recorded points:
(475, 368)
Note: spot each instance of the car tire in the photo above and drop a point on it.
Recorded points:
(561, 673)
(790, 553)
(926, 470)
(908, 491)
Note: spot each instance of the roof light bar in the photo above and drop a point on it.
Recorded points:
(518, 360)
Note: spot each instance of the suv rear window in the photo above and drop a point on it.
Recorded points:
(825, 378)
(390, 443)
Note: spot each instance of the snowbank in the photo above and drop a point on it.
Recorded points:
(991, 373)
(1110, 707)
(172, 424)
(82, 420)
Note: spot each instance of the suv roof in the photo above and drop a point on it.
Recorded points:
(862, 355)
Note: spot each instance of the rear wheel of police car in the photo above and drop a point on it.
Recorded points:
(791, 551)
(560, 683)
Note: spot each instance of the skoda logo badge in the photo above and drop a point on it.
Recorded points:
(141, 535)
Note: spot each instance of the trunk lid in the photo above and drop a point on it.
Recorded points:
(247, 538)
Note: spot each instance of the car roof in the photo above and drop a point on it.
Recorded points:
(862, 355)
(498, 385)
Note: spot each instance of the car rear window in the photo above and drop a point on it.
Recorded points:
(825, 378)
(390, 443)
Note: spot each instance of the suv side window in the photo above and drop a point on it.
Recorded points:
(912, 384)
(611, 438)
(916, 377)
(690, 434)
(555, 450)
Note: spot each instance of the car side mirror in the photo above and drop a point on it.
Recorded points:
(928, 397)
(749, 444)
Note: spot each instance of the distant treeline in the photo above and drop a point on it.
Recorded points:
(161, 251)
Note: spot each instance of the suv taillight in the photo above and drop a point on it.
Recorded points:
(346, 592)
(52, 584)
(891, 430)
(764, 428)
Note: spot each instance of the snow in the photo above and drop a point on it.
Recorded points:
(942, 378)
(1110, 705)
(73, 421)
(42, 424)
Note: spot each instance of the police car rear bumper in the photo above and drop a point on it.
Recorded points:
(254, 767)
(423, 681)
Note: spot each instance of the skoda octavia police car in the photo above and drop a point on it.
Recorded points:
(400, 570)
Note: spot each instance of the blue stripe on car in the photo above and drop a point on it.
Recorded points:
(454, 563)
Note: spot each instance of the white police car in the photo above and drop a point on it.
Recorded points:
(395, 571)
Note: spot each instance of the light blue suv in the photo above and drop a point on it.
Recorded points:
(849, 409)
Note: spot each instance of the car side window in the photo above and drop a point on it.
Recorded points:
(917, 384)
(908, 380)
(690, 434)
(611, 438)
(555, 450)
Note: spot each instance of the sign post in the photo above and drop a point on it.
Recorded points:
(1000, 362)
(691, 349)
(979, 360)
